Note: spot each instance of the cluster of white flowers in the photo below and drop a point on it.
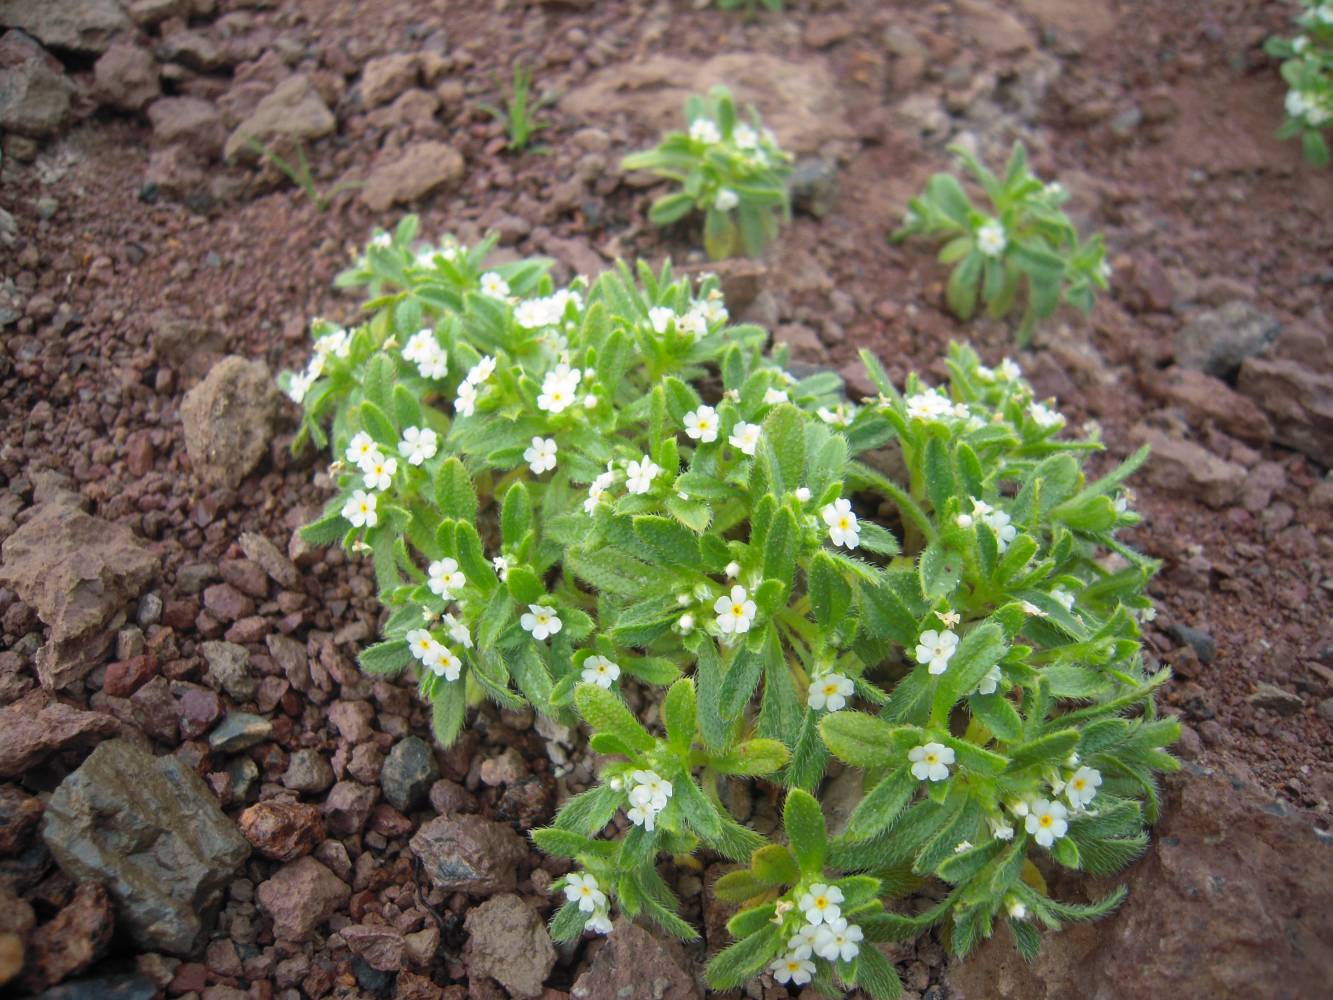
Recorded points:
(735, 611)
(424, 351)
(840, 415)
(599, 670)
(336, 343)
(559, 388)
(935, 405)
(830, 691)
(1045, 817)
(997, 520)
(826, 933)
(648, 796)
(930, 761)
(1043, 416)
(583, 889)
(466, 403)
(540, 620)
(597, 490)
(843, 528)
(535, 314)
(1006, 371)
(1309, 107)
(991, 238)
(419, 444)
(705, 130)
(436, 657)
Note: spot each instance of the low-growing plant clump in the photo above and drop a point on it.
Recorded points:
(730, 170)
(1025, 243)
(1307, 68)
(566, 491)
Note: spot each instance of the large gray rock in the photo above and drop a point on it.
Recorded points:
(1217, 341)
(292, 112)
(78, 572)
(34, 93)
(509, 942)
(228, 420)
(150, 831)
(86, 26)
(469, 854)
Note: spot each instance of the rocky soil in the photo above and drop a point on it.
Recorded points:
(201, 797)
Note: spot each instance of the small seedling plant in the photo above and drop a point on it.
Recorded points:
(751, 7)
(730, 170)
(1024, 245)
(565, 492)
(1307, 68)
(518, 114)
(300, 174)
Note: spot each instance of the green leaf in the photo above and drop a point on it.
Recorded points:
(939, 475)
(524, 586)
(588, 812)
(806, 833)
(940, 571)
(830, 595)
(876, 975)
(748, 921)
(998, 716)
(740, 681)
(670, 208)
(978, 651)
(678, 715)
(742, 961)
(774, 865)
(783, 543)
(671, 542)
(606, 713)
(698, 810)
(961, 292)
(377, 425)
(784, 434)
(754, 757)
(385, 657)
(882, 804)
(567, 923)
(1053, 748)
(740, 885)
(446, 713)
(515, 514)
(472, 560)
(861, 740)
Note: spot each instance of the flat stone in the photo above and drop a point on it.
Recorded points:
(229, 669)
(292, 112)
(308, 772)
(148, 829)
(508, 941)
(271, 559)
(36, 726)
(348, 807)
(419, 170)
(382, 948)
(283, 831)
(239, 731)
(1275, 699)
(466, 853)
(385, 78)
(1184, 468)
(301, 896)
(126, 77)
(35, 94)
(635, 963)
(1217, 341)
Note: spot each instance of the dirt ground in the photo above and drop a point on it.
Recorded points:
(136, 258)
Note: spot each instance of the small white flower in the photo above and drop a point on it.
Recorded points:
(936, 648)
(298, 386)
(457, 631)
(501, 564)
(1021, 807)
(929, 405)
(540, 456)
(583, 889)
(1001, 830)
(686, 623)
(1009, 370)
(839, 940)
(930, 761)
(379, 471)
(821, 904)
(421, 643)
(840, 416)
(381, 240)
(990, 681)
(600, 671)
(705, 130)
(642, 815)
(744, 136)
(360, 449)
(991, 239)
(481, 371)
(445, 578)
(541, 621)
(792, 969)
(1043, 416)
(802, 943)
(735, 612)
(775, 396)
(599, 923)
(745, 437)
(1082, 786)
(418, 444)
(726, 200)
(962, 846)
(443, 663)
(661, 318)
(830, 691)
(802, 494)
(733, 570)
(559, 389)
(1046, 821)
(843, 528)
(360, 509)
(1015, 907)
(701, 424)
(639, 475)
(494, 286)
(650, 788)
(1063, 597)
(466, 403)
(998, 522)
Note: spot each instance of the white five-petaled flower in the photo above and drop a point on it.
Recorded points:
(930, 761)
(838, 939)
(929, 405)
(936, 648)
(379, 471)
(830, 691)
(481, 371)
(540, 456)
(443, 663)
(298, 385)
(418, 444)
(660, 317)
(792, 969)
(541, 621)
(745, 437)
(360, 448)
(600, 671)
(989, 681)
(494, 286)
(1046, 821)
(583, 889)
(701, 424)
(705, 130)
(998, 522)
(772, 397)
(360, 509)
(457, 631)
(991, 238)
(425, 352)
(559, 388)
(421, 644)
(821, 904)
(1043, 416)
(842, 525)
(735, 611)
(466, 403)
(1009, 370)
(726, 200)
(1082, 786)
(445, 578)
(802, 943)
(650, 788)
(639, 475)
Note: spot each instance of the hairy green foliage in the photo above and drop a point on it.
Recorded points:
(1307, 68)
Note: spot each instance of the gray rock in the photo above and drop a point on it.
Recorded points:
(271, 559)
(1275, 699)
(292, 112)
(813, 186)
(416, 172)
(228, 420)
(408, 773)
(229, 669)
(385, 78)
(239, 731)
(79, 573)
(118, 986)
(1203, 644)
(469, 854)
(1217, 341)
(308, 772)
(126, 77)
(348, 807)
(34, 93)
(148, 829)
(508, 942)
(86, 26)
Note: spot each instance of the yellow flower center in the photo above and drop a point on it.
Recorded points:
(830, 689)
(1079, 784)
(820, 903)
(843, 523)
(738, 610)
(932, 758)
(1046, 821)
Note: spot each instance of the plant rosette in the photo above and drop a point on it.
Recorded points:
(1307, 69)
